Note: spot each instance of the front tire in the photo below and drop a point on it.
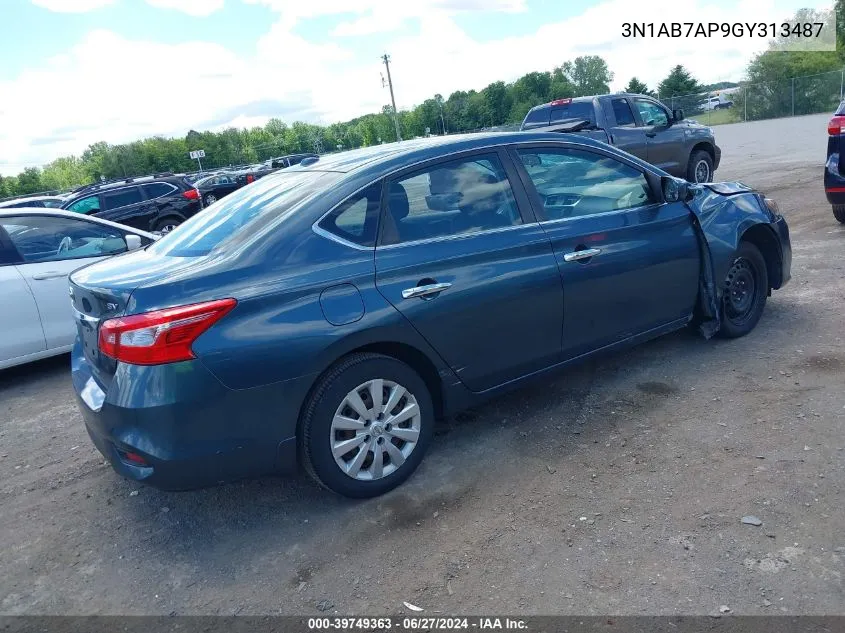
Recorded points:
(166, 225)
(839, 213)
(366, 426)
(744, 292)
(700, 167)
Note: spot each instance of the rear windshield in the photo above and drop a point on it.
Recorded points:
(536, 118)
(577, 110)
(240, 215)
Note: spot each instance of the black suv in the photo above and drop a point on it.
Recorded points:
(150, 203)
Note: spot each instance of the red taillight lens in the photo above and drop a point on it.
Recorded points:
(191, 194)
(835, 126)
(558, 102)
(163, 336)
(250, 178)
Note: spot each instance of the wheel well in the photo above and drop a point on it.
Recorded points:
(762, 237)
(706, 147)
(409, 355)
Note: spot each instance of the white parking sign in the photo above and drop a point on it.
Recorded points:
(200, 153)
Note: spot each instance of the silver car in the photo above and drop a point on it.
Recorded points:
(39, 248)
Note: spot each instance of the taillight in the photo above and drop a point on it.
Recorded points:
(835, 126)
(558, 102)
(191, 194)
(162, 336)
(250, 178)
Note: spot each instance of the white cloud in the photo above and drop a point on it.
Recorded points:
(72, 6)
(296, 79)
(191, 7)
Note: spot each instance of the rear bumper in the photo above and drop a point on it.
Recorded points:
(188, 429)
(834, 182)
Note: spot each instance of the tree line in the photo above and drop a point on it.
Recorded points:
(769, 92)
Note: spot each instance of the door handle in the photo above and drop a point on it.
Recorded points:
(579, 255)
(51, 274)
(424, 291)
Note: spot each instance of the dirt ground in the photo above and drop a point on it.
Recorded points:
(617, 487)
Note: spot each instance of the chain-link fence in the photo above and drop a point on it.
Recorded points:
(794, 96)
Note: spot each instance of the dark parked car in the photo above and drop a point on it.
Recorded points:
(834, 170)
(639, 125)
(287, 161)
(148, 203)
(33, 202)
(213, 188)
(328, 314)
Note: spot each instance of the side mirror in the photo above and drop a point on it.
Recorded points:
(133, 242)
(675, 189)
(678, 115)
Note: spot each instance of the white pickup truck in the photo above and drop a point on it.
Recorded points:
(715, 103)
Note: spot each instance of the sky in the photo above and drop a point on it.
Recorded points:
(75, 72)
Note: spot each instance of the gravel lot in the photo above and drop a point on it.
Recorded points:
(617, 487)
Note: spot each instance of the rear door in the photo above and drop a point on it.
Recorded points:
(51, 248)
(128, 206)
(629, 263)
(623, 128)
(20, 323)
(665, 140)
(462, 258)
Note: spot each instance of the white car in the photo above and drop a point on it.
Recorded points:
(39, 248)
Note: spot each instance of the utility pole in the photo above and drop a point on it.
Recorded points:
(386, 59)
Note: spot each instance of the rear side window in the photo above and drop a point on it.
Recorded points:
(574, 111)
(536, 118)
(158, 189)
(122, 198)
(91, 204)
(244, 213)
(356, 220)
(622, 112)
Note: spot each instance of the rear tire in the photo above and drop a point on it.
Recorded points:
(700, 167)
(744, 292)
(839, 212)
(165, 225)
(350, 442)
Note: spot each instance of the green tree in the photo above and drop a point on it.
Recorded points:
(637, 87)
(29, 181)
(589, 75)
(679, 82)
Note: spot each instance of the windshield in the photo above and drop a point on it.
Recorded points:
(243, 213)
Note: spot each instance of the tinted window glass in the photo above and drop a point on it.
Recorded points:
(122, 198)
(450, 199)
(537, 118)
(623, 113)
(91, 204)
(53, 203)
(651, 113)
(574, 111)
(357, 219)
(43, 239)
(244, 213)
(157, 189)
(575, 183)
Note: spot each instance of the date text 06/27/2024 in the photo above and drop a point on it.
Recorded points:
(763, 30)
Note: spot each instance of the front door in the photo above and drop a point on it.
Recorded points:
(20, 324)
(471, 270)
(624, 131)
(52, 248)
(665, 140)
(629, 263)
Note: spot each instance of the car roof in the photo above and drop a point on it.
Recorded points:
(95, 188)
(60, 213)
(28, 198)
(417, 150)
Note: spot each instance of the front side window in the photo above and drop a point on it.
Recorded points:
(91, 204)
(573, 183)
(46, 239)
(623, 114)
(651, 113)
(458, 197)
(122, 198)
(356, 220)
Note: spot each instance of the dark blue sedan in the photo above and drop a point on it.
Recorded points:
(328, 314)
